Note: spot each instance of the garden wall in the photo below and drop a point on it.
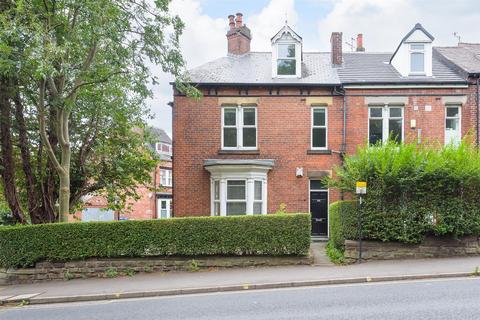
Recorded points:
(431, 247)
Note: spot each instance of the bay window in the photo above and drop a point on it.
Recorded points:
(239, 127)
(384, 123)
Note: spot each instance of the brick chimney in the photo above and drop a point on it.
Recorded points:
(360, 47)
(336, 42)
(238, 35)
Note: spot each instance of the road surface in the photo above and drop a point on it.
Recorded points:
(433, 299)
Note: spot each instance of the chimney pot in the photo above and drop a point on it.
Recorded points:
(239, 20)
(231, 21)
(360, 47)
(336, 52)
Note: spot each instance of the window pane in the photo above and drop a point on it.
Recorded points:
(249, 137)
(164, 204)
(452, 112)
(230, 116)
(416, 62)
(452, 124)
(236, 208)
(163, 214)
(286, 51)
(395, 132)
(317, 185)
(258, 190)
(249, 116)
(216, 187)
(229, 137)
(319, 138)
(235, 189)
(416, 46)
(376, 112)
(286, 67)
(216, 208)
(376, 131)
(257, 208)
(318, 117)
(395, 112)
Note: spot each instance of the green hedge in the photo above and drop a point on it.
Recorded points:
(278, 234)
(343, 222)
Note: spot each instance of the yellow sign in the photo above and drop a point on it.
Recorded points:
(361, 184)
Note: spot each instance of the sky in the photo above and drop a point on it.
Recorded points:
(382, 22)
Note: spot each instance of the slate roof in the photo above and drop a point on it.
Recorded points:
(361, 67)
(160, 135)
(466, 56)
(256, 68)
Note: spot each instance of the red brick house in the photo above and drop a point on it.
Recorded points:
(155, 200)
(272, 124)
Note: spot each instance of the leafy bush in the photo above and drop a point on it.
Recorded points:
(285, 234)
(414, 190)
(343, 223)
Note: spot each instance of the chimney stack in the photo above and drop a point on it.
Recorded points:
(360, 47)
(336, 43)
(238, 35)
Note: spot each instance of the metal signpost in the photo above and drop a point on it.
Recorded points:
(360, 191)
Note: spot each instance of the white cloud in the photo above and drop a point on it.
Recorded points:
(384, 23)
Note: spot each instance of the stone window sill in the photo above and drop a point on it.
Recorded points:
(312, 151)
(240, 152)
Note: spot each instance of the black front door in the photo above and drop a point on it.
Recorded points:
(319, 211)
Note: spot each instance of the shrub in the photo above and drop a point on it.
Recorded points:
(286, 234)
(343, 223)
(415, 190)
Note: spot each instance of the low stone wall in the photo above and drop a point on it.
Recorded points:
(431, 247)
(109, 268)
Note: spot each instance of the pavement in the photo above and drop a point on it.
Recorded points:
(438, 299)
(177, 283)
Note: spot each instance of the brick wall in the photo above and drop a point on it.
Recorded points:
(284, 124)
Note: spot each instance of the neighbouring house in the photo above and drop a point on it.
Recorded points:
(271, 125)
(155, 200)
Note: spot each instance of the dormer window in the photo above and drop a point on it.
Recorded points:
(286, 54)
(417, 58)
(286, 62)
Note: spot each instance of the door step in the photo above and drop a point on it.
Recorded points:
(319, 238)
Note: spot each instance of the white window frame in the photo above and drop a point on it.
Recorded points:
(294, 75)
(459, 118)
(412, 51)
(385, 118)
(167, 173)
(168, 208)
(239, 125)
(317, 126)
(159, 148)
(244, 200)
(249, 194)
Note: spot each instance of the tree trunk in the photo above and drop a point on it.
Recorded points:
(7, 165)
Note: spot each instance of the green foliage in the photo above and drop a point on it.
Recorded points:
(287, 234)
(414, 190)
(282, 208)
(111, 273)
(336, 255)
(342, 217)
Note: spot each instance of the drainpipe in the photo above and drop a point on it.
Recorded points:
(478, 110)
(343, 149)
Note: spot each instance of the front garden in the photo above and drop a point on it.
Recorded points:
(414, 191)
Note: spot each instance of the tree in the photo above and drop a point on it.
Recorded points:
(80, 68)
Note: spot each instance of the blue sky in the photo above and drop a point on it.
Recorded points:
(382, 22)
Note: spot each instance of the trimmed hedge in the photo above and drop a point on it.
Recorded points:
(279, 234)
(343, 222)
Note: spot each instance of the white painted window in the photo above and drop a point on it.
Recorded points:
(385, 122)
(239, 127)
(165, 177)
(286, 61)
(164, 148)
(164, 208)
(417, 58)
(238, 196)
(319, 128)
(453, 125)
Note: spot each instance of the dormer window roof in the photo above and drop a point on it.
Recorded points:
(413, 56)
(286, 54)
